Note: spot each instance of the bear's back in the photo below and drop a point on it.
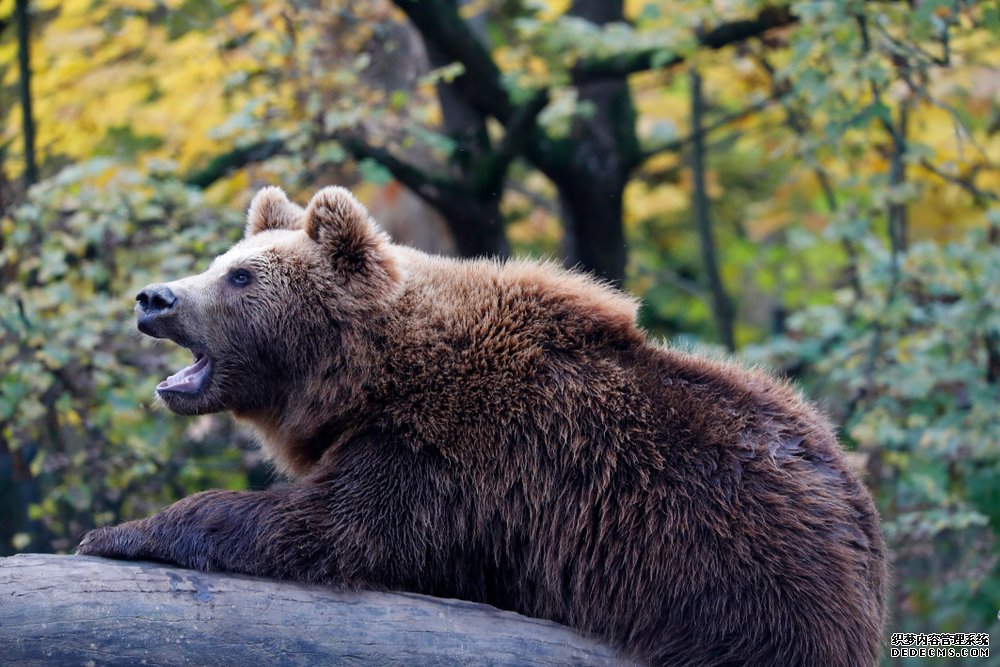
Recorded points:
(637, 492)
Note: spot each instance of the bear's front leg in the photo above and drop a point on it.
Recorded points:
(209, 531)
(368, 522)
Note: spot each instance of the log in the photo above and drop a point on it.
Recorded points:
(77, 610)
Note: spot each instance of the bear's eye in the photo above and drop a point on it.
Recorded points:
(240, 278)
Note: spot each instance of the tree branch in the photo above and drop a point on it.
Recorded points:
(237, 158)
(677, 144)
(441, 26)
(967, 183)
(615, 67)
(428, 186)
(520, 128)
(473, 219)
(414, 178)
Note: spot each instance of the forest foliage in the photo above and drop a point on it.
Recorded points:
(812, 185)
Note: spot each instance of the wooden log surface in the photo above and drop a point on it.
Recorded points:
(75, 610)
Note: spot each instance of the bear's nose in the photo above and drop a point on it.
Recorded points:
(155, 299)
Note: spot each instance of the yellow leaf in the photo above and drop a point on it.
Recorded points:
(762, 222)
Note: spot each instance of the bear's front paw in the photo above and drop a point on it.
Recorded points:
(128, 541)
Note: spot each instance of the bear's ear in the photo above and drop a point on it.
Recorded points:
(341, 225)
(270, 209)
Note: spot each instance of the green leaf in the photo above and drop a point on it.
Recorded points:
(373, 172)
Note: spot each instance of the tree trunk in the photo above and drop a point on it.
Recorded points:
(591, 167)
(722, 306)
(473, 218)
(57, 610)
(24, 89)
(475, 223)
(599, 156)
(590, 198)
(472, 213)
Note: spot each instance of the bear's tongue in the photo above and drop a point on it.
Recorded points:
(189, 379)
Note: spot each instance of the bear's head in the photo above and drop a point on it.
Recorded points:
(271, 321)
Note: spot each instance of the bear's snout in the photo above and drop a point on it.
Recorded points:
(152, 302)
(154, 299)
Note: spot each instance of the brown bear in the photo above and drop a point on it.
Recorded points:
(503, 432)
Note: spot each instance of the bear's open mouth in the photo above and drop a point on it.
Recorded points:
(190, 379)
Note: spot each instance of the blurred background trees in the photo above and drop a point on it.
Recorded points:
(811, 185)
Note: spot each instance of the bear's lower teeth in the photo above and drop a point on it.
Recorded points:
(190, 379)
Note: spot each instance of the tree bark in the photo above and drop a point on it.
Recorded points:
(58, 610)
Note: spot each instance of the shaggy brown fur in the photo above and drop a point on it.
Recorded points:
(504, 433)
